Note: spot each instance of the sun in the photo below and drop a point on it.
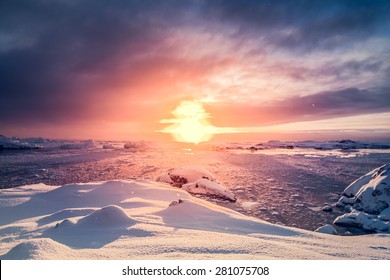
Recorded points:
(190, 124)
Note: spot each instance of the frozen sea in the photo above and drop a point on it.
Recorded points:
(287, 184)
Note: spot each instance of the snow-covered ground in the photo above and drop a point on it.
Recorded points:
(137, 220)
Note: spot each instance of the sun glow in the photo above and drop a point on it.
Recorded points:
(190, 124)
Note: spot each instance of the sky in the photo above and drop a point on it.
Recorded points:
(260, 69)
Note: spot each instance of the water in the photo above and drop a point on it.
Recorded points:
(281, 186)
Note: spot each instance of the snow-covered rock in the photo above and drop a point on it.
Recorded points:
(356, 185)
(362, 220)
(108, 146)
(385, 215)
(329, 229)
(195, 180)
(87, 144)
(186, 174)
(327, 208)
(369, 199)
(17, 144)
(210, 188)
(371, 192)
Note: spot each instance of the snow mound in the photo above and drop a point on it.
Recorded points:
(42, 248)
(95, 230)
(369, 200)
(109, 216)
(195, 180)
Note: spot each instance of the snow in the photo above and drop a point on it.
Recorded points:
(150, 220)
(362, 220)
(186, 174)
(355, 186)
(207, 187)
(15, 144)
(195, 180)
(328, 229)
(41, 143)
(369, 200)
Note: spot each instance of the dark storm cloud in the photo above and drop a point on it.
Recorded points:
(305, 25)
(55, 54)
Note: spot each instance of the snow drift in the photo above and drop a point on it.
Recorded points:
(148, 220)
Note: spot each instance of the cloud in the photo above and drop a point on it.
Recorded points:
(305, 25)
(323, 105)
(73, 62)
